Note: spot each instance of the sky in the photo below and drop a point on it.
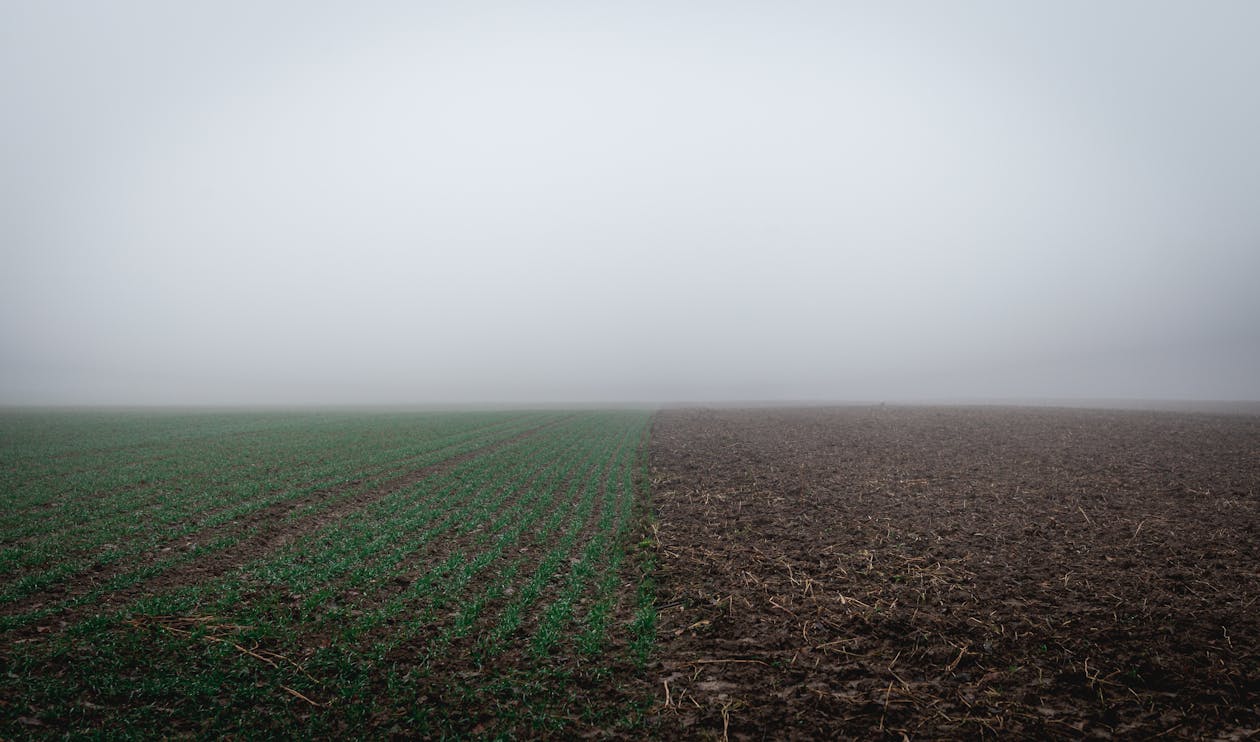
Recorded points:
(547, 202)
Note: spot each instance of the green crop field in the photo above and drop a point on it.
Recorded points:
(298, 574)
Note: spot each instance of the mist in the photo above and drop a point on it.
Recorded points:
(379, 203)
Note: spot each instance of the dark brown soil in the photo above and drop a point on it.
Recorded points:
(957, 572)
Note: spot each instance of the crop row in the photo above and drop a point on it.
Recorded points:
(103, 532)
(497, 576)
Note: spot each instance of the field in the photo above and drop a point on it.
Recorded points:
(315, 575)
(958, 573)
(802, 573)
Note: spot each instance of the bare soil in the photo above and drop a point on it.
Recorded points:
(957, 572)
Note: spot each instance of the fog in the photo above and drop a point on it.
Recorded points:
(375, 203)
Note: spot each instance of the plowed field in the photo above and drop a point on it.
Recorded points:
(957, 573)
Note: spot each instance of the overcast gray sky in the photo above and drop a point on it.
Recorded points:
(291, 202)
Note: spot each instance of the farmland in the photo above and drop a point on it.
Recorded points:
(956, 573)
(856, 572)
(313, 574)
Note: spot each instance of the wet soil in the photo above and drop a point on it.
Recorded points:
(957, 572)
